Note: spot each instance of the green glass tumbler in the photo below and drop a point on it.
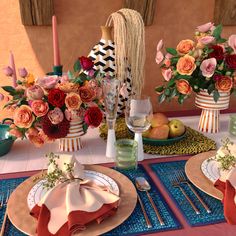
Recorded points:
(126, 154)
(232, 125)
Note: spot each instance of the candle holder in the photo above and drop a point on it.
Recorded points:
(57, 70)
(111, 88)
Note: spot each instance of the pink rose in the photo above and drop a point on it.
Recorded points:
(208, 67)
(56, 116)
(22, 72)
(232, 42)
(39, 108)
(205, 27)
(206, 39)
(159, 57)
(64, 78)
(167, 74)
(8, 71)
(93, 84)
(23, 117)
(34, 92)
(48, 82)
(91, 72)
(160, 45)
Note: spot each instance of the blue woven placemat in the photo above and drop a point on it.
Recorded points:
(5, 185)
(134, 225)
(164, 171)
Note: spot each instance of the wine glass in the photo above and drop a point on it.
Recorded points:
(138, 116)
(111, 89)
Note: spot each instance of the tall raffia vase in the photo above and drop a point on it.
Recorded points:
(209, 120)
(72, 142)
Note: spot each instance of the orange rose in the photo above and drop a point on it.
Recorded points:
(87, 94)
(185, 46)
(23, 117)
(183, 86)
(224, 84)
(15, 132)
(73, 101)
(37, 140)
(186, 65)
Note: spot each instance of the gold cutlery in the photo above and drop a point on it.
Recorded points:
(143, 185)
(5, 215)
(176, 184)
(149, 225)
(182, 179)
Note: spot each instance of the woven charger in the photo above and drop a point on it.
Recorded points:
(18, 211)
(194, 173)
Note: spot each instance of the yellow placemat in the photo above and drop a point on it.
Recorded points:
(194, 142)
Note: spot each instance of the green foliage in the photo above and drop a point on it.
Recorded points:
(172, 51)
(10, 90)
(159, 89)
(216, 95)
(77, 66)
(162, 98)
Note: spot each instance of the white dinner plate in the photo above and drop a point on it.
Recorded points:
(37, 192)
(210, 169)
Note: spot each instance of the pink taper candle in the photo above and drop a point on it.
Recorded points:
(12, 65)
(56, 53)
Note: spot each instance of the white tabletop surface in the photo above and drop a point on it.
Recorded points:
(25, 157)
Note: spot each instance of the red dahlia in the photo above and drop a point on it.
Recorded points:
(231, 61)
(56, 97)
(218, 52)
(55, 131)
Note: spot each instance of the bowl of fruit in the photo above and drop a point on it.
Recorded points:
(164, 131)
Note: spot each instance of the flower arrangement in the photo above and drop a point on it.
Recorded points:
(44, 107)
(206, 63)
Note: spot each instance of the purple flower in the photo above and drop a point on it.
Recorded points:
(23, 72)
(1, 96)
(8, 71)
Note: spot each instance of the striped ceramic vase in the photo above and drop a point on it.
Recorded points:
(72, 142)
(209, 120)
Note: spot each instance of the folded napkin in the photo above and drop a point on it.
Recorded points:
(69, 206)
(227, 185)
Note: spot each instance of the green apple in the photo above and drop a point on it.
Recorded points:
(177, 128)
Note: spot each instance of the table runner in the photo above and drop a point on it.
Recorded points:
(194, 142)
(134, 225)
(164, 171)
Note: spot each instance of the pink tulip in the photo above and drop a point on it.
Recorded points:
(206, 40)
(167, 74)
(48, 82)
(160, 45)
(159, 57)
(232, 42)
(8, 71)
(1, 97)
(206, 27)
(123, 91)
(208, 67)
(168, 56)
(22, 72)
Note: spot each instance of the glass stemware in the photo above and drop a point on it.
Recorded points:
(111, 89)
(138, 115)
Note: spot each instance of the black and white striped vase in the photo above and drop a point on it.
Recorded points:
(103, 56)
(72, 142)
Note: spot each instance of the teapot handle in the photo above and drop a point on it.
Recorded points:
(7, 119)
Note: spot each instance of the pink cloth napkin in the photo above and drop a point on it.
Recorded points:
(227, 185)
(70, 206)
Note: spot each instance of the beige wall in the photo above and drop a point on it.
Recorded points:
(78, 26)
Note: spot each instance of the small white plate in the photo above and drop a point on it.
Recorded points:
(37, 192)
(210, 169)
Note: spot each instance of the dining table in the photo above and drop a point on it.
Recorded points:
(25, 159)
